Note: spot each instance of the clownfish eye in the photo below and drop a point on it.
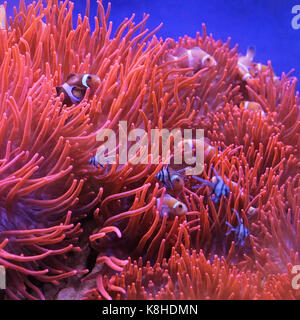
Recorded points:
(89, 77)
(177, 180)
(180, 206)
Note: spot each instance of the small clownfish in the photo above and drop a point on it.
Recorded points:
(252, 106)
(219, 188)
(75, 87)
(190, 144)
(245, 62)
(194, 58)
(170, 178)
(3, 20)
(197, 55)
(171, 206)
(249, 69)
(259, 67)
(241, 232)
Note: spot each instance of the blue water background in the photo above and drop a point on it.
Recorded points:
(265, 24)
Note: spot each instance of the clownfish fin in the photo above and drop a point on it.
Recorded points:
(164, 210)
(70, 76)
(251, 52)
(59, 90)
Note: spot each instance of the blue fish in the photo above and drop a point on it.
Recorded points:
(95, 163)
(219, 188)
(241, 232)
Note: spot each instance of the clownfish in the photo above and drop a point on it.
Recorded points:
(252, 106)
(171, 206)
(245, 62)
(259, 67)
(189, 145)
(194, 58)
(75, 87)
(249, 69)
(3, 21)
(170, 178)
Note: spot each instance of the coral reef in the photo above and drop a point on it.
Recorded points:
(55, 206)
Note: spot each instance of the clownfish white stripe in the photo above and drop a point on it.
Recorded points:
(242, 66)
(190, 56)
(176, 204)
(246, 104)
(68, 90)
(84, 78)
(246, 76)
(204, 58)
(259, 67)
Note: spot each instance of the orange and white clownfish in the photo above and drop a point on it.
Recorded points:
(249, 69)
(252, 106)
(189, 145)
(3, 20)
(245, 62)
(171, 206)
(170, 178)
(259, 67)
(76, 85)
(194, 58)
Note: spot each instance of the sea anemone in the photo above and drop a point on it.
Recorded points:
(190, 276)
(53, 201)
